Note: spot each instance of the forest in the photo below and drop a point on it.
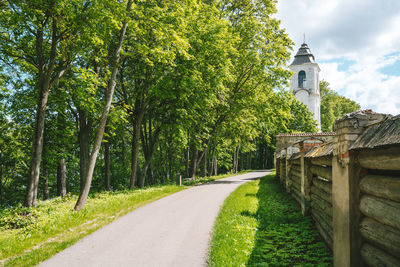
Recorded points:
(114, 95)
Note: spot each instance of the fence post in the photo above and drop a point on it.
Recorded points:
(345, 188)
(179, 179)
(282, 170)
(305, 192)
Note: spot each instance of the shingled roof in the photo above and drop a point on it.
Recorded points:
(382, 134)
(304, 55)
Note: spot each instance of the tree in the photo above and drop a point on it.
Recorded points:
(41, 38)
(114, 57)
(333, 106)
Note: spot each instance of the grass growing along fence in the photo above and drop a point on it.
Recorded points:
(260, 225)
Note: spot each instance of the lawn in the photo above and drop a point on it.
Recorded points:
(260, 225)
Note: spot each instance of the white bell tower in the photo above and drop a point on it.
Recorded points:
(305, 82)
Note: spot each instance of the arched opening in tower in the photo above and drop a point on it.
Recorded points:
(302, 79)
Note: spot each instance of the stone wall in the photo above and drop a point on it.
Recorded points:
(351, 188)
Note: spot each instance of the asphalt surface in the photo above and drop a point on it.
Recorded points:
(172, 231)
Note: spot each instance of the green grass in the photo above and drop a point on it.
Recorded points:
(31, 235)
(260, 225)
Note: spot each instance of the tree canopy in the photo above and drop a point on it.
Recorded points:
(109, 95)
(333, 106)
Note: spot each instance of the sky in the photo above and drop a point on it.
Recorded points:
(356, 44)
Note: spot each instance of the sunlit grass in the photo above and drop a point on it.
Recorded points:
(31, 235)
(260, 225)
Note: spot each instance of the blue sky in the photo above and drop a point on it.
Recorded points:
(355, 42)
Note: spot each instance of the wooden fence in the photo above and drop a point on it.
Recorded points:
(351, 188)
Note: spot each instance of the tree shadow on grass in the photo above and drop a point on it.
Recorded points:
(284, 237)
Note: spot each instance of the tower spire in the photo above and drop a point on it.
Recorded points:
(304, 38)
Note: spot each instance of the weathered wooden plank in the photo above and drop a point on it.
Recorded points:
(296, 186)
(324, 234)
(296, 168)
(296, 196)
(382, 210)
(324, 218)
(325, 172)
(381, 186)
(375, 257)
(295, 161)
(380, 159)
(383, 236)
(295, 173)
(295, 179)
(322, 204)
(323, 185)
(322, 194)
(322, 161)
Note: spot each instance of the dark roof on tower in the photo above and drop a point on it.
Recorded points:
(303, 56)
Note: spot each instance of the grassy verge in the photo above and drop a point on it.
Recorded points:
(260, 225)
(29, 236)
(205, 180)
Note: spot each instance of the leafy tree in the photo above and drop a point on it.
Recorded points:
(333, 106)
(41, 38)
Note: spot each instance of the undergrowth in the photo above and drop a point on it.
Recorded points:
(260, 225)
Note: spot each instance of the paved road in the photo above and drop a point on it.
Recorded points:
(173, 231)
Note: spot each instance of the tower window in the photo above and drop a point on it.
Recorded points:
(302, 79)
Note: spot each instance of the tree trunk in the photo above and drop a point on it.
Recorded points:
(46, 77)
(188, 162)
(107, 162)
(103, 119)
(194, 164)
(45, 185)
(61, 178)
(85, 128)
(215, 164)
(37, 148)
(135, 145)
(61, 166)
(241, 161)
(237, 158)
(205, 163)
(248, 160)
(1, 184)
(148, 142)
(234, 168)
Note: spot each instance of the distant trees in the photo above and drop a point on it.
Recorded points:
(168, 87)
(333, 106)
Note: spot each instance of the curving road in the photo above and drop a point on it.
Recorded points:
(172, 231)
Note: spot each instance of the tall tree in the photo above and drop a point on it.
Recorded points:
(333, 106)
(114, 57)
(41, 38)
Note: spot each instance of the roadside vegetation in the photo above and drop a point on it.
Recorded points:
(31, 235)
(260, 225)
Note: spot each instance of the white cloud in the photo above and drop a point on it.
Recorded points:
(363, 33)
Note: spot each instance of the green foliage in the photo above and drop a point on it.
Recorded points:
(333, 106)
(260, 225)
(196, 82)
